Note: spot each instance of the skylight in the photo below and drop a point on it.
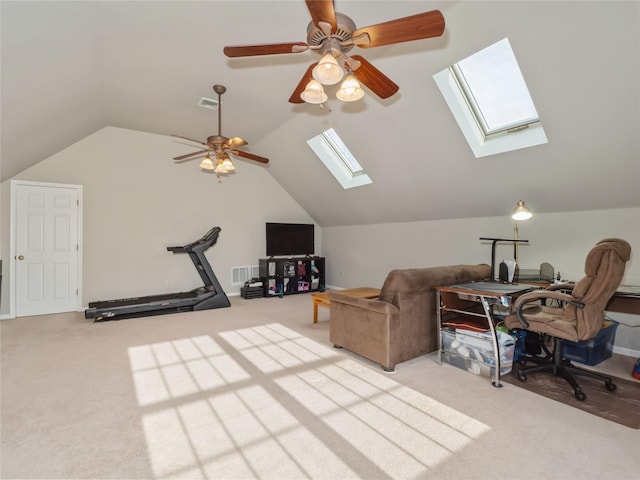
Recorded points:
(489, 99)
(335, 155)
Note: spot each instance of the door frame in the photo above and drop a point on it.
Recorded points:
(13, 241)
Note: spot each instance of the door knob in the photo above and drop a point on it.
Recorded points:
(21, 257)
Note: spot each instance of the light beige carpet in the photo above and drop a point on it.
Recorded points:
(256, 391)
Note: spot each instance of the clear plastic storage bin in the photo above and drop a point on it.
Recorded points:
(473, 351)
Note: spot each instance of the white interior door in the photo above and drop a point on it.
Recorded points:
(47, 249)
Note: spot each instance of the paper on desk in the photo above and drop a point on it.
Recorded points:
(511, 269)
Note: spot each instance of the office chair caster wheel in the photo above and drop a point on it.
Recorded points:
(580, 395)
(522, 377)
(610, 386)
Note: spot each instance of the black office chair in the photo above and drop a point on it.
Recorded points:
(578, 313)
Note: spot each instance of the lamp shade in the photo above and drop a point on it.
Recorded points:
(350, 90)
(220, 168)
(328, 72)
(206, 163)
(228, 164)
(313, 93)
(521, 212)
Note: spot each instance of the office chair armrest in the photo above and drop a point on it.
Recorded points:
(567, 287)
(536, 295)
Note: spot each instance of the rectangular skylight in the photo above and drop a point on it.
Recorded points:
(493, 84)
(335, 155)
(341, 151)
(489, 99)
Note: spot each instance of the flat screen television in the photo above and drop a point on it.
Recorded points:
(289, 239)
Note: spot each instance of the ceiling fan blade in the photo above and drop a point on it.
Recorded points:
(295, 96)
(188, 155)
(415, 27)
(250, 156)
(264, 49)
(190, 139)
(374, 79)
(322, 11)
(234, 142)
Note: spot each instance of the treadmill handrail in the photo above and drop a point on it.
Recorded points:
(205, 242)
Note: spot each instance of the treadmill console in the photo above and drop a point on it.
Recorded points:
(209, 238)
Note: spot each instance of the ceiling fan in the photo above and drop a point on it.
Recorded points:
(332, 35)
(220, 147)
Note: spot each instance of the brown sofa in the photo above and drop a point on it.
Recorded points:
(401, 323)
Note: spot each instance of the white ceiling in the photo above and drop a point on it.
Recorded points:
(71, 68)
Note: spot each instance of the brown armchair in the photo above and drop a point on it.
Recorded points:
(578, 314)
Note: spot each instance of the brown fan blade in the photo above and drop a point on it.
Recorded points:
(250, 156)
(374, 79)
(264, 49)
(322, 11)
(415, 27)
(295, 96)
(182, 157)
(190, 139)
(234, 142)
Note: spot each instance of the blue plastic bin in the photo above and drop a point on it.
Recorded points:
(595, 350)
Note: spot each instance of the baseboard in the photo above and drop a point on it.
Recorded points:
(626, 351)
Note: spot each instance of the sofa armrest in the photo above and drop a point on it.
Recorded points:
(368, 327)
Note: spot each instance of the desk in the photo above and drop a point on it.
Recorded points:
(625, 300)
(322, 298)
(460, 299)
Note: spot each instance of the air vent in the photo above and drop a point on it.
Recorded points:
(239, 275)
(208, 103)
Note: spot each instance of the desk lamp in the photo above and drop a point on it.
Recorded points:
(521, 212)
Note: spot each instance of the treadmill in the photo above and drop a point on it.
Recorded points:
(206, 297)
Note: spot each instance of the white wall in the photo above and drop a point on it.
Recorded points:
(363, 255)
(137, 202)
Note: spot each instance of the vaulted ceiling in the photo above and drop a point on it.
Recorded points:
(72, 68)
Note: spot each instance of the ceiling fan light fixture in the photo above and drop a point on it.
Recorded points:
(350, 90)
(220, 168)
(313, 93)
(206, 163)
(328, 71)
(228, 164)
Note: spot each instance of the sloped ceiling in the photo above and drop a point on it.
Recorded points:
(71, 68)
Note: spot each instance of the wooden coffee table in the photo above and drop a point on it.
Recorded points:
(322, 298)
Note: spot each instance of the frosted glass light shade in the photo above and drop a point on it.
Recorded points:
(206, 163)
(227, 164)
(350, 90)
(220, 168)
(313, 93)
(328, 72)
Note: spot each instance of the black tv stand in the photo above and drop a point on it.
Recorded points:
(284, 276)
(206, 297)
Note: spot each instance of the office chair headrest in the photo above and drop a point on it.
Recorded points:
(620, 247)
